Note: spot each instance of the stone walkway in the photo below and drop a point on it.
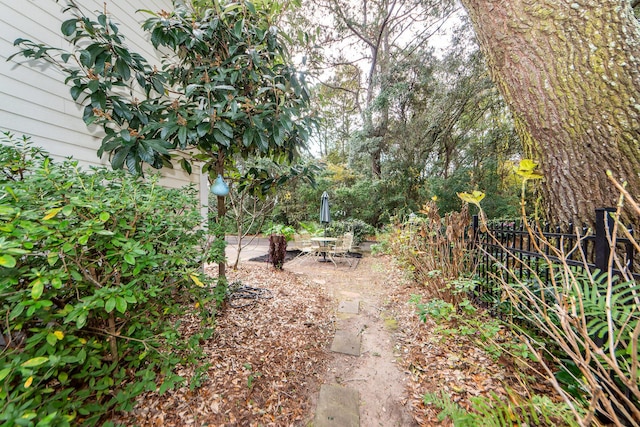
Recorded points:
(339, 405)
(364, 385)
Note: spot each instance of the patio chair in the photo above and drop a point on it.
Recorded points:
(307, 248)
(341, 249)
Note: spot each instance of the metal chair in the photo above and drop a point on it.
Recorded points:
(307, 249)
(341, 249)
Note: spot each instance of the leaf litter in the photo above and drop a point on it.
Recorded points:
(269, 358)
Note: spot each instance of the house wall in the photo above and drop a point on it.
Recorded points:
(34, 100)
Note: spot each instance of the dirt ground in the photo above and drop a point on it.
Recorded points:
(268, 359)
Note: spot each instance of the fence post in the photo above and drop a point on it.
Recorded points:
(602, 247)
(475, 231)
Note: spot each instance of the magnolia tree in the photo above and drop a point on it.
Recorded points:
(225, 87)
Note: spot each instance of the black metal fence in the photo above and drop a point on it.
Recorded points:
(526, 252)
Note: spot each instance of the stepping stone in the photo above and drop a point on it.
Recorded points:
(337, 407)
(351, 307)
(347, 343)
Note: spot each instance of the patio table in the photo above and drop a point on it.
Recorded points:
(324, 245)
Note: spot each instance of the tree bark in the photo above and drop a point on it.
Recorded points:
(277, 250)
(570, 72)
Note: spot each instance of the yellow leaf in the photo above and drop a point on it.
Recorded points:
(82, 340)
(457, 389)
(197, 281)
(434, 198)
(28, 382)
(59, 335)
(473, 198)
(527, 165)
(51, 213)
(526, 169)
(197, 305)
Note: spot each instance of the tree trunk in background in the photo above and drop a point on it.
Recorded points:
(277, 250)
(570, 71)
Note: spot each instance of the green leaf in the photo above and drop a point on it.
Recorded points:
(52, 340)
(225, 128)
(184, 163)
(130, 259)
(52, 258)
(81, 321)
(99, 100)
(182, 136)
(38, 288)
(69, 27)
(247, 137)
(224, 87)
(118, 159)
(121, 304)
(36, 361)
(82, 356)
(85, 60)
(7, 261)
(220, 138)
(110, 305)
(17, 311)
(104, 216)
(123, 69)
(190, 89)
(237, 28)
(4, 373)
(157, 85)
(203, 128)
(76, 91)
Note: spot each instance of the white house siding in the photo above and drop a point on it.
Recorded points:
(34, 100)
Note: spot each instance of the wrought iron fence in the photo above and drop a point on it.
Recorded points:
(525, 252)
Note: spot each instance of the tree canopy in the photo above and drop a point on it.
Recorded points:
(225, 85)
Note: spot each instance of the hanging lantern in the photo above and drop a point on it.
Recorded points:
(219, 187)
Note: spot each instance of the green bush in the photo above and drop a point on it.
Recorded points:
(93, 266)
(359, 228)
(493, 410)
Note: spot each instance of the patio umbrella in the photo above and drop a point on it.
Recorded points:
(325, 216)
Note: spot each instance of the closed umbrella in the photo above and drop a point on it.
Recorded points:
(325, 216)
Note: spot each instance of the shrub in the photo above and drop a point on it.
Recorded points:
(434, 250)
(495, 411)
(590, 319)
(359, 228)
(92, 268)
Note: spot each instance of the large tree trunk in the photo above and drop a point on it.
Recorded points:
(570, 71)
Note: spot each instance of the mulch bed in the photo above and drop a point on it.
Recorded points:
(269, 356)
(267, 359)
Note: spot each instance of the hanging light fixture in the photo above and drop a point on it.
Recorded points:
(219, 187)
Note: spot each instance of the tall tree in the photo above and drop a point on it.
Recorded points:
(337, 99)
(368, 34)
(569, 71)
